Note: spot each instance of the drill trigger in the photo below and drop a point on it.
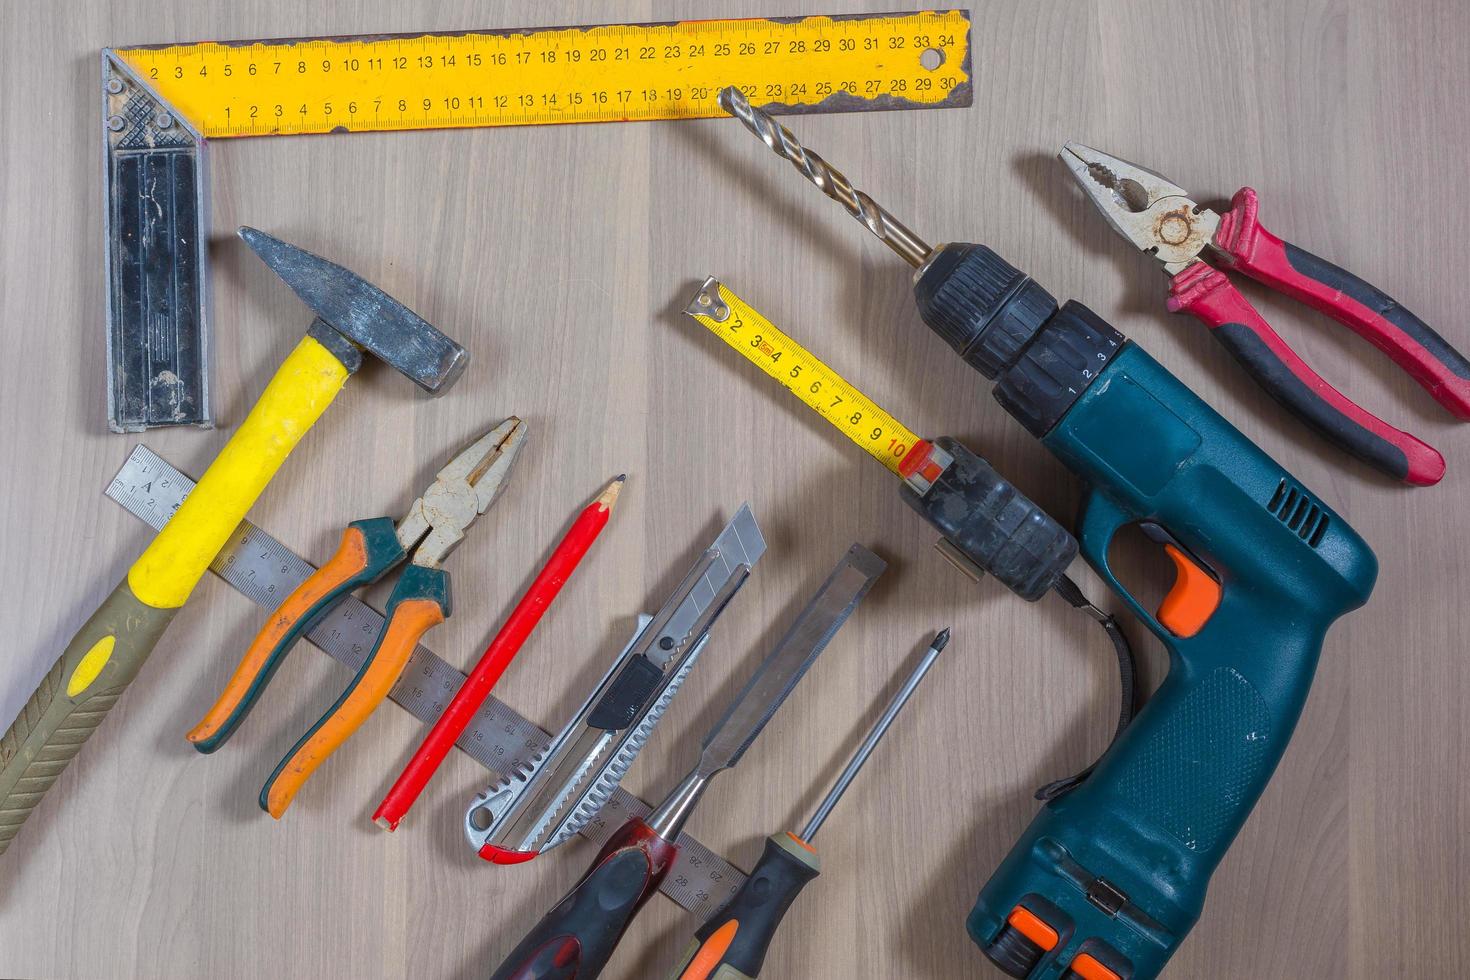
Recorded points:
(1195, 595)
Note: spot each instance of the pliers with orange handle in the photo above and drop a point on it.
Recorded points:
(433, 527)
(1159, 217)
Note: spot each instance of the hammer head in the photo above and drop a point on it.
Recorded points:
(363, 314)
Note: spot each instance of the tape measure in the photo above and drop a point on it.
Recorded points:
(498, 738)
(560, 75)
(800, 372)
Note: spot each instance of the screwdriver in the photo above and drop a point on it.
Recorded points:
(732, 944)
(578, 936)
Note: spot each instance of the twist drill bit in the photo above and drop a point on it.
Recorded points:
(829, 180)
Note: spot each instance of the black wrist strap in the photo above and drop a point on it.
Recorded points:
(1127, 673)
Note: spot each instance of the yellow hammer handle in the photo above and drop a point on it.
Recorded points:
(302, 388)
(107, 652)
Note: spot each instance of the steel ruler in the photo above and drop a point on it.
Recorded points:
(161, 103)
(802, 373)
(266, 571)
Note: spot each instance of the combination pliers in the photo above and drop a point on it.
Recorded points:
(1159, 217)
(434, 525)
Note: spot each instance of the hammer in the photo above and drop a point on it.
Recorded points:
(352, 316)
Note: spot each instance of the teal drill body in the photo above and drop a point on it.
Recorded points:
(1112, 873)
(1116, 868)
(1119, 866)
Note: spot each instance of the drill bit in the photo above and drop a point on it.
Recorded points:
(829, 180)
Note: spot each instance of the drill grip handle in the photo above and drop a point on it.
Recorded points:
(1117, 869)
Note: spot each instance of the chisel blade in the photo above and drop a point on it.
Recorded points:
(779, 673)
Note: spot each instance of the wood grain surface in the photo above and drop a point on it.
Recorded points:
(560, 256)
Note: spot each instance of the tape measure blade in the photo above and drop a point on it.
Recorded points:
(802, 373)
(617, 72)
(499, 738)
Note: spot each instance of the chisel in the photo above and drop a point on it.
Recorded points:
(578, 936)
(732, 944)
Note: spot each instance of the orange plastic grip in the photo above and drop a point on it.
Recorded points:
(411, 620)
(350, 559)
(711, 952)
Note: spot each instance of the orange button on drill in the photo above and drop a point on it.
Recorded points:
(1087, 968)
(1193, 599)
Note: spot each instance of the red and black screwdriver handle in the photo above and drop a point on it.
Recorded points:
(732, 944)
(1250, 248)
(576, 938)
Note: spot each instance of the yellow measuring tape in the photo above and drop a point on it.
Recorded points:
(800, 372)
(579, 74)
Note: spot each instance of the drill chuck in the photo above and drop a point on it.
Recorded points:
(981, 305)
(1009, 329)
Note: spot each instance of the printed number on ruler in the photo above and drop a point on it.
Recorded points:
(797, 370)
(527, 77)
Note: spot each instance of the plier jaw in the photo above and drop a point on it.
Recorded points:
(462, 491)
(1146, 208)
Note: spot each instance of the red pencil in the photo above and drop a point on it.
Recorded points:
(496, 658)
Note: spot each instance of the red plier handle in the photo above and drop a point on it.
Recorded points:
(1358, 305)
(1210, 296)
(1412, 344)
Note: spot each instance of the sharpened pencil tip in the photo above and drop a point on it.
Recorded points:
(610, 495)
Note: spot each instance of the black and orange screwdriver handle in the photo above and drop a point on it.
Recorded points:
(732, 944)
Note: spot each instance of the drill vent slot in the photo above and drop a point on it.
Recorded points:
(1295, 508)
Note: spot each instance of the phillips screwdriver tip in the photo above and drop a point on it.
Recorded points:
(941, 639)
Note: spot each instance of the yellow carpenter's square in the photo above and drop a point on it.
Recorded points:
(352, 316)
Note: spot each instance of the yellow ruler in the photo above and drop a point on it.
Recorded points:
(800, 372)
(560, 75)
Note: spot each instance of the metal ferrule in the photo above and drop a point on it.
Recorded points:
(668, 819)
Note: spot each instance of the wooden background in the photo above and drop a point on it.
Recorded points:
(560, 257)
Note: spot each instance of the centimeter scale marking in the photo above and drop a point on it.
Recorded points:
(802, 373)
(559, 75)
(266, 571)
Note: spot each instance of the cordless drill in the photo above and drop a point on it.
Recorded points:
(1111, 875)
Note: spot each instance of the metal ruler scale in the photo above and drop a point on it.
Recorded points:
(266, 571)
(160, 105)
(802, 373)
(527, 77)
